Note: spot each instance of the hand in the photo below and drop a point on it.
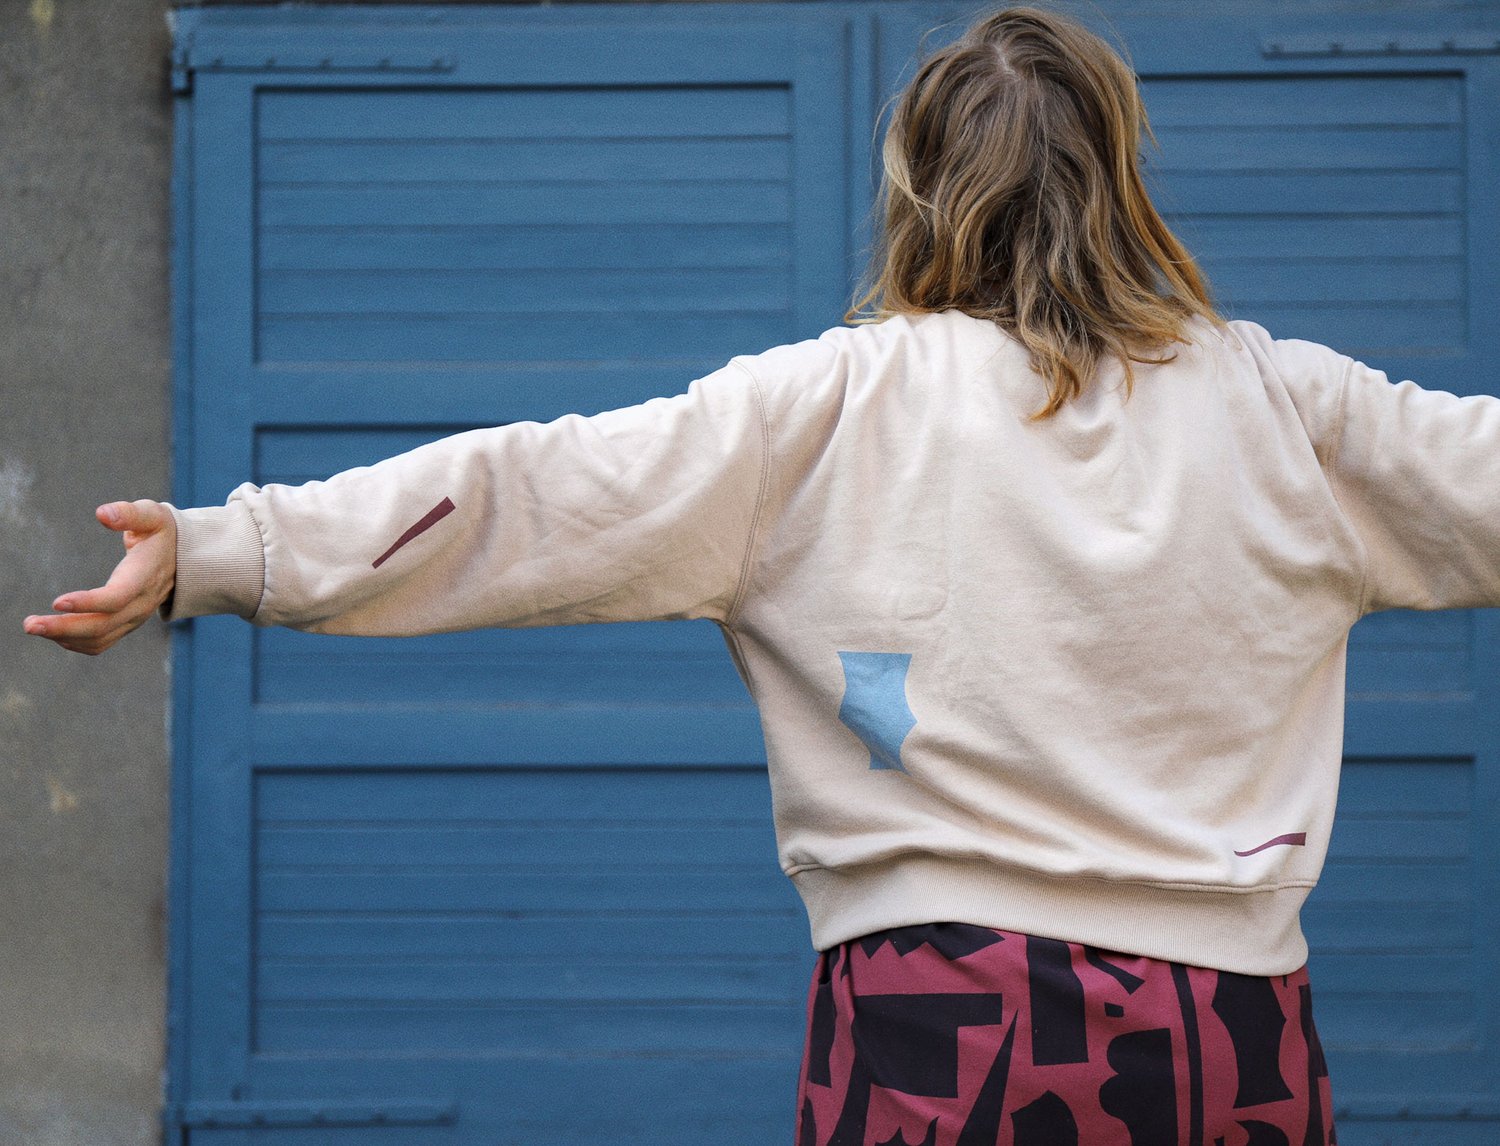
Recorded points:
(91, 620)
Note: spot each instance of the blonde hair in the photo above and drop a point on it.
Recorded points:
(1013, 192)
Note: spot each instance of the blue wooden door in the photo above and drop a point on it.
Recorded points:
(1334, 174)
(520, 887)
(498, 886)
(1334, 188)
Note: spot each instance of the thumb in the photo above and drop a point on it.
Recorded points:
(132, 516)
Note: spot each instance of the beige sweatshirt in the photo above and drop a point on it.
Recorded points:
(1080, 677)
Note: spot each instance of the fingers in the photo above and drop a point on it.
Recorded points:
(111, 611)
(100, 600)
(116, 594)
(89, 633)
(86, 632)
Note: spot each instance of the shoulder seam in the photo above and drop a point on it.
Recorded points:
(1333, 479)
(760, 496)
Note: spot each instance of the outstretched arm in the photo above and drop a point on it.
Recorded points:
(91, 620)
(641, 513)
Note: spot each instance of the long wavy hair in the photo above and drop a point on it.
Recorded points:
(1013, 192)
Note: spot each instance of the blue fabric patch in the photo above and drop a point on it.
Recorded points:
(874, 706)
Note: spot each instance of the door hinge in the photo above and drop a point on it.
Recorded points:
(1373, 44)
(208, 1115)
(185, 62)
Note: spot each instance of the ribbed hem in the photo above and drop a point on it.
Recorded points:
(221, 563)
(1250, 932)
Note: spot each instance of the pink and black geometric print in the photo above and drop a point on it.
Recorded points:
(953, 1035)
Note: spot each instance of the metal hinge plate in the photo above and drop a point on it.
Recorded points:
(1371, 44)
(186, 62)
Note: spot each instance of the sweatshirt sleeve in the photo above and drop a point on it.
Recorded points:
(641, 513)
(1415, 471)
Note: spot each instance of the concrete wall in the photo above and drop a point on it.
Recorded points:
(84, 376)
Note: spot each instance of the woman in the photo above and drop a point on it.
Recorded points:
(1041, 575)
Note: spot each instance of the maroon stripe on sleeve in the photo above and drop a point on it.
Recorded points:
(1295, 839)
(434, 515)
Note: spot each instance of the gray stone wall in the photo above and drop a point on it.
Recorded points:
(85, 136)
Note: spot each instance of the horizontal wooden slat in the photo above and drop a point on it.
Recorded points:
(509, 338)
(617, 204)
(1445, 628)
(1397, 1120)
(483, 1077)
(1347, 928)
(533, 160)
(632, 931)
(1416, 788)
(1420, 669)
(554, 681)
(528, 113)
(1371, 328)
(1386, 725)
(699, 639)
(1395, 837)
(585, 736)
(1384, 1021)
(1418, 972)
(517, 843)
(1280, 194)
(293, 456)
(1434, 663)
(549, 1027)
(439, 292)
(1282, 102)
(668, 1097)
(317, 903)
(1252, 282)
(1378, 886)
(708, 796)
(305, 396)
(1411, 148)
(664, 981)
(513, 246)
(1308, 241)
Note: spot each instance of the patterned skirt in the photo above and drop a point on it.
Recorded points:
(948, 1034)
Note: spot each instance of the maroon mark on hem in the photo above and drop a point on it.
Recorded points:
(434, 515)
(1295, 839)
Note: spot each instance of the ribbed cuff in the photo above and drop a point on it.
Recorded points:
(221, 563)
